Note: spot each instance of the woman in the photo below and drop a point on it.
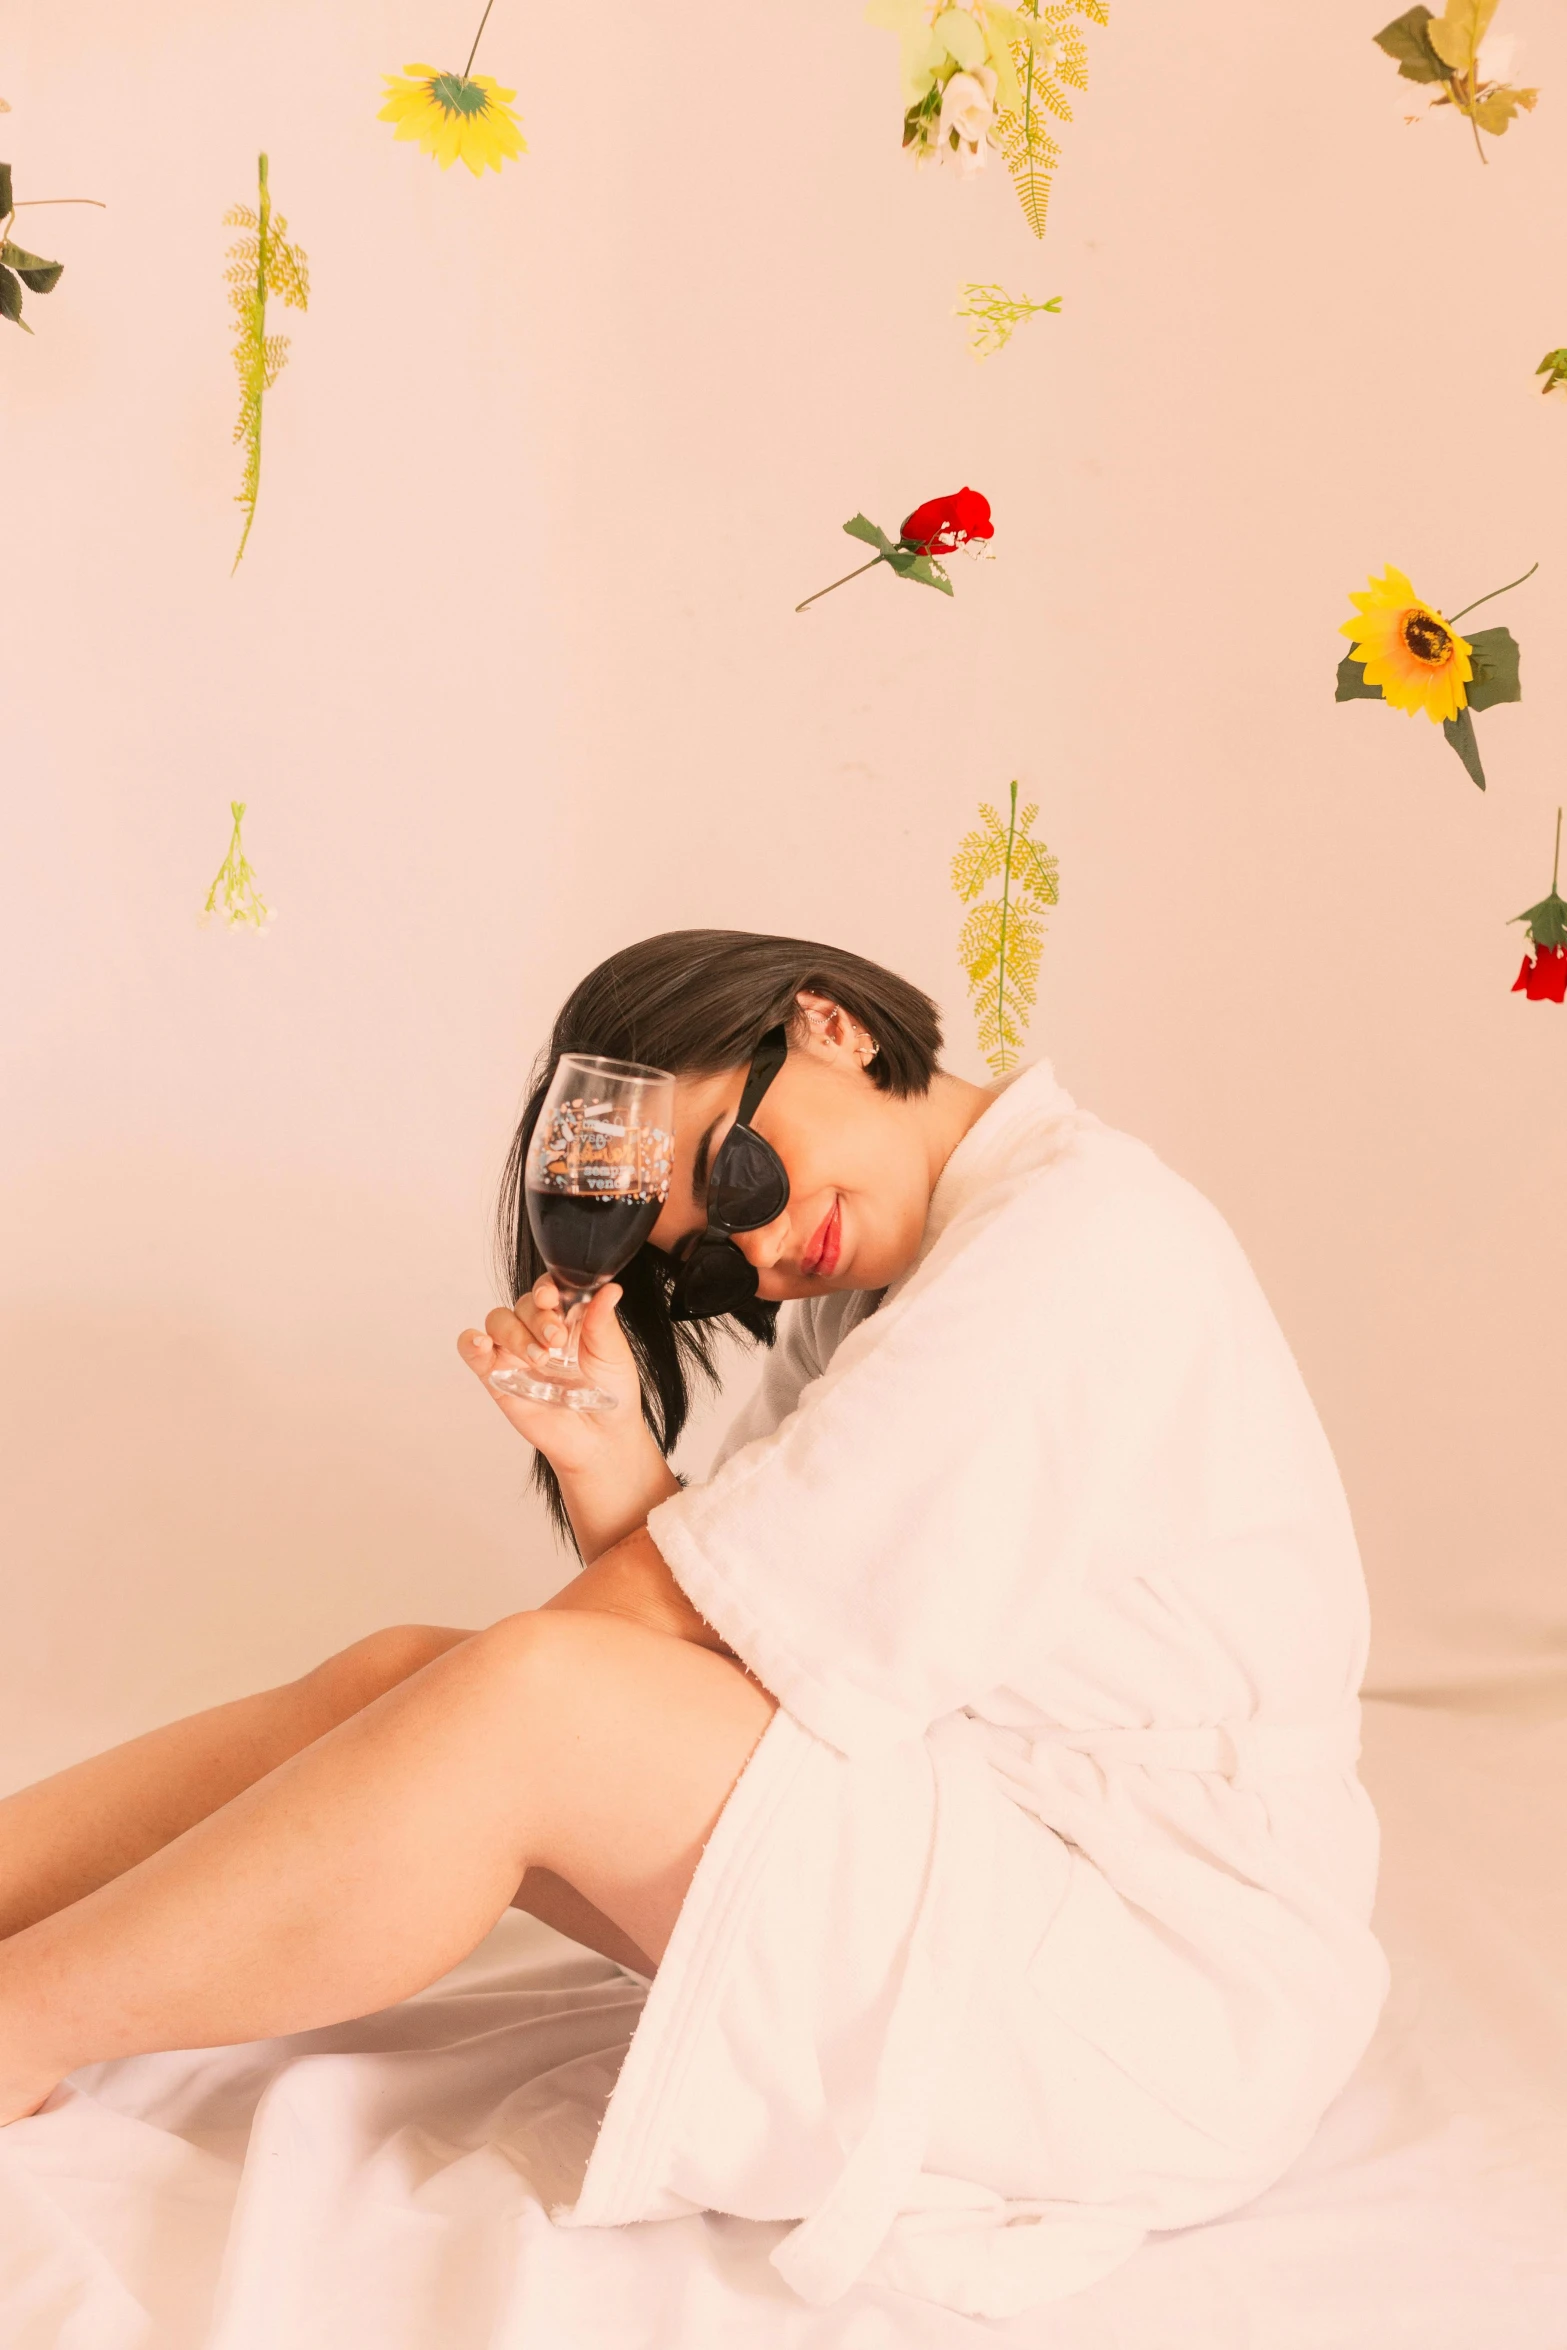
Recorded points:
(968, 1763)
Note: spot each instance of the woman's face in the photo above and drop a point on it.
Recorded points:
(857, 1159)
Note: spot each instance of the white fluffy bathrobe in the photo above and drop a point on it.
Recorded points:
(1039, 1917)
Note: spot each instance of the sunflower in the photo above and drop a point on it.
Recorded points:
(1408, 649)
(456, 117)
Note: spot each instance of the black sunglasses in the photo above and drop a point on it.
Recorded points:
(747, 1186)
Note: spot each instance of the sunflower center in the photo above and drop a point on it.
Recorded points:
(457, 95)
(1426, 638)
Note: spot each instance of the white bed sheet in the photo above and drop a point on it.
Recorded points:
(386, 2183)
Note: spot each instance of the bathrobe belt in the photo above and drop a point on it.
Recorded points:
(822, 2257)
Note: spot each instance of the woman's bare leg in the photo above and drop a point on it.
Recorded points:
(71, 1833)
(370, 1862)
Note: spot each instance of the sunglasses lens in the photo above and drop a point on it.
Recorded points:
(748, 1186)
(714, 1279)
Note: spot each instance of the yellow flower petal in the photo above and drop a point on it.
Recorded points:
(1407, 649)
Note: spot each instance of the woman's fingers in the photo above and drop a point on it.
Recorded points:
(602, 1338)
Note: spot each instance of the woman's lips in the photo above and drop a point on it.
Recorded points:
(821, 1258)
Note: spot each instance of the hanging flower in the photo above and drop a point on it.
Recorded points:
(1542, 976)
(1408, 649)
(456, 117)
(968, 108)
(979, 73)
(234, 895)
(1406, 652)
(1458, 50)
(942, 525)
(939, 527)
(1544, 980)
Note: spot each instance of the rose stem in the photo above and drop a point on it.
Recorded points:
(838, 583)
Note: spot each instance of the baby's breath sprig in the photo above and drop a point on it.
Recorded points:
(234, 895)
(994, 315)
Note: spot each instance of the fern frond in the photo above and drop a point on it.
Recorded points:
(981, 854)
(980, 942)
(288, 272)
(1002, 940)
(1034, 870)
(262, 264)
(1047, 66)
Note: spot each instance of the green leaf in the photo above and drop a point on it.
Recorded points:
(1405, 39)
(927, 572)
(962, 36)
(1352, 686)
(1456, 35)
(1547, 921)
(6, 205)
(11, 301)
(1493, 653)
(1460, 732)
(1554, 367)
(862, 528)
(40, 276)
(1497, 108)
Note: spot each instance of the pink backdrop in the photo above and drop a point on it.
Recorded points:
(510, 675)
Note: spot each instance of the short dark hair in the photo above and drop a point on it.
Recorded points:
(696, 1002)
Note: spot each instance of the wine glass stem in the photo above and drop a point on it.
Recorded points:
(574, 1305)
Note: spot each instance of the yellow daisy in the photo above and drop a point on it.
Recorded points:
(456, 117)
(1408, 649)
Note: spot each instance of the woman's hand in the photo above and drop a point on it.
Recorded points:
(574, 1443)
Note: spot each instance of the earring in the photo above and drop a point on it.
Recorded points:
(868, 1053)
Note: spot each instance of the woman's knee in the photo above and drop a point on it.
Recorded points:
(357, 1675)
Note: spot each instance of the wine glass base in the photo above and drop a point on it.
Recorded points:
(573, 1395)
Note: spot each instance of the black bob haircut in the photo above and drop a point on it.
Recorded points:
(697, 1002)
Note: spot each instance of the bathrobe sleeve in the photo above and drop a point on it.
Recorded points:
(1002, 1427)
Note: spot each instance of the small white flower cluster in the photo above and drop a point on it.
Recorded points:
(256, 916)
(234, 897)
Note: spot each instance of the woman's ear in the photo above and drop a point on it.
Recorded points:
(831, 1035)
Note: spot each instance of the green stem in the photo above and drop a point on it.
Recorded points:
(263, 222)
(1006, 914)
(28, 201)
(478, 36)
(1556, 861)
(838, 583)
(1501, 591)
(1469, 109)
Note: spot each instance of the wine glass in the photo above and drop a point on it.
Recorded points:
(596, 1177)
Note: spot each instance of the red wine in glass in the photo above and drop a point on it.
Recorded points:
(597, 1175)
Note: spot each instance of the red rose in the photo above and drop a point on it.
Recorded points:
(1544, 981)
(942, 524)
